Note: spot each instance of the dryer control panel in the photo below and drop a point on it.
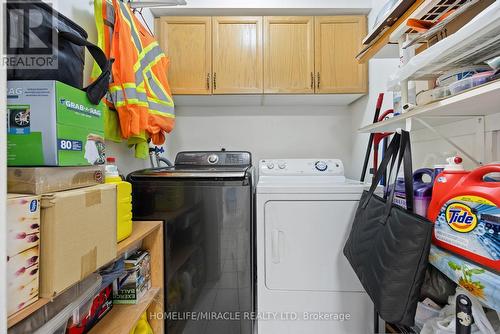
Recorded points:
(303, 167)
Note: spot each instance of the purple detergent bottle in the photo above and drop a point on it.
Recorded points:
(399, 192)
(422, 191)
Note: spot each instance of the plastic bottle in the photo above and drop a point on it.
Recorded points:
(123, 200)
(465, 209)
(450, 174)
(422, 191)
(142, 326)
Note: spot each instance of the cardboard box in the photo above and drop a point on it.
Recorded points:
(52, 124)
(23, 223)
(22, 280)
(133, 285)
(43, 180)
(78, 235)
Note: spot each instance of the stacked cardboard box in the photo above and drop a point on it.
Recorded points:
(23, 251)
(61, 220)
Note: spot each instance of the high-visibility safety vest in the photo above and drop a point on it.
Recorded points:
(139, 89)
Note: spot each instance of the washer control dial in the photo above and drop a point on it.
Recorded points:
(321, 166)
(213, 159)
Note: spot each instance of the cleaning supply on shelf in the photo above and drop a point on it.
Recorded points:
(123, 200)
(422, 190)
(466, 212)
(399, 192)
(142, 326)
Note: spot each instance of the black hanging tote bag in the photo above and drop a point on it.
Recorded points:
(43, 44)
(388, 246)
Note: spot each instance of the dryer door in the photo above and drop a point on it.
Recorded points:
(304, 242)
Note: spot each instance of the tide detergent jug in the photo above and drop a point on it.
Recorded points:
(466, 212)
(123, 200)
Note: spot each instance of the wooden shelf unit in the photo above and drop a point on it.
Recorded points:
(146, 235)
(151, 234)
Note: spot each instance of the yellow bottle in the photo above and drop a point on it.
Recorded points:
(142, 326)
(123, 200)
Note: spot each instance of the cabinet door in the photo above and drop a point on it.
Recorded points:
(337, 41)
(187, 41)
(237, 55)
(288, 54)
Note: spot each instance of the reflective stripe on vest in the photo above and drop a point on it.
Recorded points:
(128, 94)
(127, 15)
(161, 109)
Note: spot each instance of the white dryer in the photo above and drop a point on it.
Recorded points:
(305, 208)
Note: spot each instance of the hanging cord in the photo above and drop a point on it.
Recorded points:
(144, 20)
(139, 11)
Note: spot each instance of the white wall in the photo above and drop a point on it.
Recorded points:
(267, 132)
(363, 110)
(82, 12)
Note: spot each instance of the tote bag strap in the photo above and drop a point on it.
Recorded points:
(97, 89)
(390, 155)
(405, 159)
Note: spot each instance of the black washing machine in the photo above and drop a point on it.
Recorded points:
(206, 203)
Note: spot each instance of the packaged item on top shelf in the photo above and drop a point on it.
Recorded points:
(459, 74)
(135, 283)
(494, 63)
(52, 124)
(470, 82)
(23, 223)
(432, 95)
(123, 200)
(43, 180)
(78, 235)
(22, 279)
(466, 212)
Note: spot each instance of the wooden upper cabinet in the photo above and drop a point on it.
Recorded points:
(337, 41)
(289, 54)
(237, 55)
(187, 41)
